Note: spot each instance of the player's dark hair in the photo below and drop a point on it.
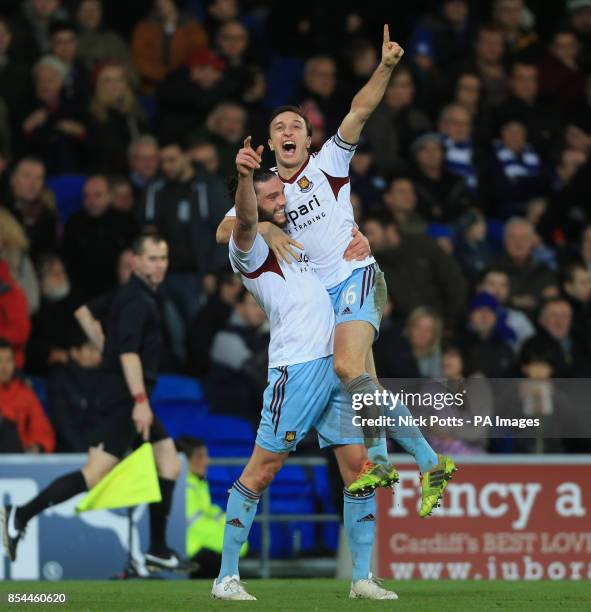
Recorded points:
(290, 108)
(148, 233)
(4, 344)
(262, 176)
(187, 444)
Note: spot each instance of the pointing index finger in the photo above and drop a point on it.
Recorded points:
(247, 142)
(386, 33)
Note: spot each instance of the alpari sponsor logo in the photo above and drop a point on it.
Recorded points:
(306, 214)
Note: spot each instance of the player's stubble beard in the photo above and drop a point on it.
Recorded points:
(270, 217)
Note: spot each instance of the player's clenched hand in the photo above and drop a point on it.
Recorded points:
(247, 159)
(358, 249)
(392, 52)
(142, 417)
(281, 244)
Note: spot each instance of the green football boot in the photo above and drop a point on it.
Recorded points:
(433, 484)
(372, 476)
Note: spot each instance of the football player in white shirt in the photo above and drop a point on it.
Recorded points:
(303, 391)
(320, 217)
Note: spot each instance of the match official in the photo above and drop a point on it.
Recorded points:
(123, 417)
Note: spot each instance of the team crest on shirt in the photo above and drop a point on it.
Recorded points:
(305, 184)
(290, 436)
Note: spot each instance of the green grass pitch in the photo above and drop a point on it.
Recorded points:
(308, 595)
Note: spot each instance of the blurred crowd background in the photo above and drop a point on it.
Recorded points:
(471, 182)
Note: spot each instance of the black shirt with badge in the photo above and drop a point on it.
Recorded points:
(133, 325)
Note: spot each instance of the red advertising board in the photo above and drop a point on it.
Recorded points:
(526, 519)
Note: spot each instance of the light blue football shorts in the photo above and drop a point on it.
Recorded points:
(302, 397)
(361, 297)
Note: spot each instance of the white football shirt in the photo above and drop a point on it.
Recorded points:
(319, 211)
(298, 308)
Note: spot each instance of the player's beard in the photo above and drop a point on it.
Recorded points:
(270, 217)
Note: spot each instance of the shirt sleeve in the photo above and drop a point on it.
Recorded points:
(251, 260)
(335, 155)
(231, 212)
(130, 325)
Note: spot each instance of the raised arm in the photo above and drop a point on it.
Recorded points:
(224, 230)
(370, 95)
(247, 216)
(278, 241)
(92, 328)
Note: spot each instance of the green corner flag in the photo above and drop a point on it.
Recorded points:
(131, 482)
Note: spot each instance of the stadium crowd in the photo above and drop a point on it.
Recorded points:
(471, 183)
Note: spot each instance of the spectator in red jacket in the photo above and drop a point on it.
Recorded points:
(19, 405)
(15, 325)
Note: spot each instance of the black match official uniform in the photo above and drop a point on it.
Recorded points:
(133, 325)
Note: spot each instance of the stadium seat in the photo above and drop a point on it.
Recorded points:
(149, 105)
(291, 493)
(220, 479)
(329, 531)
(293, 477)
(236, 449)
(179, 403)
(68, 193)
(287, 539)
(495, 229)
(227, 430)
(181, 418)
(170, 387)
(196, 9)
(39, 386)
(227, 436)
(438, 230)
